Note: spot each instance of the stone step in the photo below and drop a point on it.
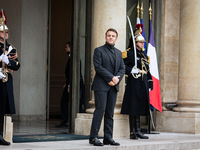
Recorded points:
(162, 141)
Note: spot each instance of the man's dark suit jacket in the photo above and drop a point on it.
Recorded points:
(105, 71)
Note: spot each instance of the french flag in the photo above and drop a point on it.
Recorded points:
(154, 95)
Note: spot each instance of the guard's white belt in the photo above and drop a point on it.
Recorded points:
(142, 71)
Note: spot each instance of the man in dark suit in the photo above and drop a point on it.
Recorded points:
(110, 69)
(66, 89)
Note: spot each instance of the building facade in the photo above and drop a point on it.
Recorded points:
(40, 29)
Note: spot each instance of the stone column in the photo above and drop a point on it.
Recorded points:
(107, 14)
(169, 57)
(169, 61)
(106, 17)
(185, 118)
(189, 70)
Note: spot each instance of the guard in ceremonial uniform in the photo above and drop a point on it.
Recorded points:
(139, 83)
(8, 63)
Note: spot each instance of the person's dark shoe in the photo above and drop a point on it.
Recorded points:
(3, 142)
(141, 136)
(63, 124)
(95, 141)
(110, 142)
(133, 136)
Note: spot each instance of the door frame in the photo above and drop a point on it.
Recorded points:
(75, 70)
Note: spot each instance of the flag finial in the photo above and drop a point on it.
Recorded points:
(150, 11)
(3, 20)
(142, 10)
(138, 10)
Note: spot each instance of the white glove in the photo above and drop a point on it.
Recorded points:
(149, 89)
(5, 59)
(134, 70)
(2, 75)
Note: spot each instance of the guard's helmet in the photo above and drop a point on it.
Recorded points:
(138, 33)
(139, 38)
(3, 19)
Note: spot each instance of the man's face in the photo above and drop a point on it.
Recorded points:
(2, 35)
(111, 37)
(140, 45)
(67, 49)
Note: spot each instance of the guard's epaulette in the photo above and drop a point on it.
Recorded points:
(124, 53)
(12, 45)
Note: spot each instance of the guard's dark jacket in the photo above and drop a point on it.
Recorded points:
(136, 96)
(7, 105)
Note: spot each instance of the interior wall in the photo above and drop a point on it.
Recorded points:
(33, 59)
(27, 22)
(60, 34)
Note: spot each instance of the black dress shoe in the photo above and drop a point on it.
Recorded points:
(63, 124)
(133, 136)
(3, 142)
(95, 141)
(141, 136)
(110, 142)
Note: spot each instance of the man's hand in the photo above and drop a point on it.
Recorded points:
(64, 86)
(111, 83)
(14, 56)
(68, 90)
(115, 79)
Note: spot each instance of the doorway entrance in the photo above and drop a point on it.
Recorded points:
(68, 23)
(59, 34)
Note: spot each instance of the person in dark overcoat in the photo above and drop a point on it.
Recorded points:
(139, 82)
(66, 88)
(110, 69)
(8, 63)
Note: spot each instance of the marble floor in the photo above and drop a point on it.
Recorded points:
(39, 127)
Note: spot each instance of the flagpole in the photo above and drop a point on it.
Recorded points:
(138, 10)
(142, 10)
(138, 14)
(150, 13)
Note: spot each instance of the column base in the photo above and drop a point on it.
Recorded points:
(187, 106)
(9, 130)
(178, 122)
(117, 109)
(120, 130)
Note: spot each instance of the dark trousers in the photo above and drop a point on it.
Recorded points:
(104, 102)
(1, 124)
(64, 104)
